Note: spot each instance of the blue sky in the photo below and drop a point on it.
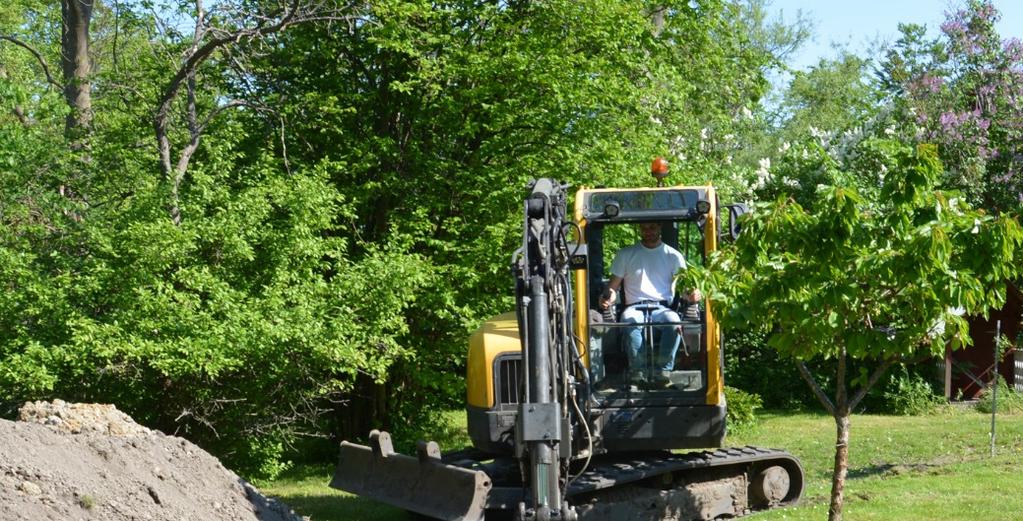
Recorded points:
(856, 23)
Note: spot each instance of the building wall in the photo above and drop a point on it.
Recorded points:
(973, 364)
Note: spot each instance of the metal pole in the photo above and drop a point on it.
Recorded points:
(994, 392)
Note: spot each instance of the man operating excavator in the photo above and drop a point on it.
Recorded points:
(647, 271)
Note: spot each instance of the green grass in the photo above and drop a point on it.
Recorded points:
(934, 467)
(305, 489)
(904, 467)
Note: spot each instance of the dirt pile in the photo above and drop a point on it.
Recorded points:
(87, 461)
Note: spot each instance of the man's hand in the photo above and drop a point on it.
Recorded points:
(608, 297)
(694, 296)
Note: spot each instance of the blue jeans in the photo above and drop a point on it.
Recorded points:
(634, 342)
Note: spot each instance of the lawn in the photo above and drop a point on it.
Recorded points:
(934, 467)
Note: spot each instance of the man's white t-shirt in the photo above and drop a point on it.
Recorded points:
(647, 272)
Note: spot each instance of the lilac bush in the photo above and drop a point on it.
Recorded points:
(964, 92)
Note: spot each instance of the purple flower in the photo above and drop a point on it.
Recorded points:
(948, 120)
(928, 84)
(988, 13)
(953, 27)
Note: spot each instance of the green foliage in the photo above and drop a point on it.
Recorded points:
(1008, 400)
(909, 394)
(752, 365)
(873, 277)
(742, 408)
(342, 232)
(833, 97)
(263, 457)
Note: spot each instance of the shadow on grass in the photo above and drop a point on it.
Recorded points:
(893, 469)
(267, 504)
(308, 472)
(337, 507)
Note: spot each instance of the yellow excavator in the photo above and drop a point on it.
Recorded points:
(564, 424)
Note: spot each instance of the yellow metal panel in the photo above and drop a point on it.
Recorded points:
(582, 303)
(498, 335)
(715, 380)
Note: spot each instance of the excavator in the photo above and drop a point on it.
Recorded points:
(561, 428)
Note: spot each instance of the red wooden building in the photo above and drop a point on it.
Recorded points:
(968, 371)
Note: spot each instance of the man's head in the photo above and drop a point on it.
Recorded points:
(650, 234)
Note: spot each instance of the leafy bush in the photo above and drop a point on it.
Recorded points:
(1009, 401)
(753, 365)
(910, 394)
(264, 458)
(742, 407)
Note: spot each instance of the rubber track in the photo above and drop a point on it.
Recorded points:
(615, 472)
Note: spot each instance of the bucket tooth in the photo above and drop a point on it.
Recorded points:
(428, 451)
(381, 443)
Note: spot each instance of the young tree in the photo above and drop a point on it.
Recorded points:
(872, 274)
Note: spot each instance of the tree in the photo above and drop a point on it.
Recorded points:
(216, 31)
(325, 244)
(963, 91)
(865, 263)
(434, 116)
(833, 96)
(238, 326)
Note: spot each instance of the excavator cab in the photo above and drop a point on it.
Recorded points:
(687, 411)
(677, 401)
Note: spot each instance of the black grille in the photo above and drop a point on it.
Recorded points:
(509, 371)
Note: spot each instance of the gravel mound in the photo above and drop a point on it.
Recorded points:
(76, 418)
(92, 462)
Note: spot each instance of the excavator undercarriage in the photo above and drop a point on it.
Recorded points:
(470, 485)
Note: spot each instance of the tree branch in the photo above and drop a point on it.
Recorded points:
(39, 58)
(290, 13)
(815, 387)
(192, 62)
(874, 377)
(284, 146)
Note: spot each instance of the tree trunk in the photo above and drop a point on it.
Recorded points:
(841, 468)
(74, 58)
(362, 409)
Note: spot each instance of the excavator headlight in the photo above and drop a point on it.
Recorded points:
(703, 206)
(612, 209)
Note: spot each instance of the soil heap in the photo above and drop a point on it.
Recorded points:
(66, 461)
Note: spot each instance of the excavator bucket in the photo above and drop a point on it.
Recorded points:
(422, 484)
